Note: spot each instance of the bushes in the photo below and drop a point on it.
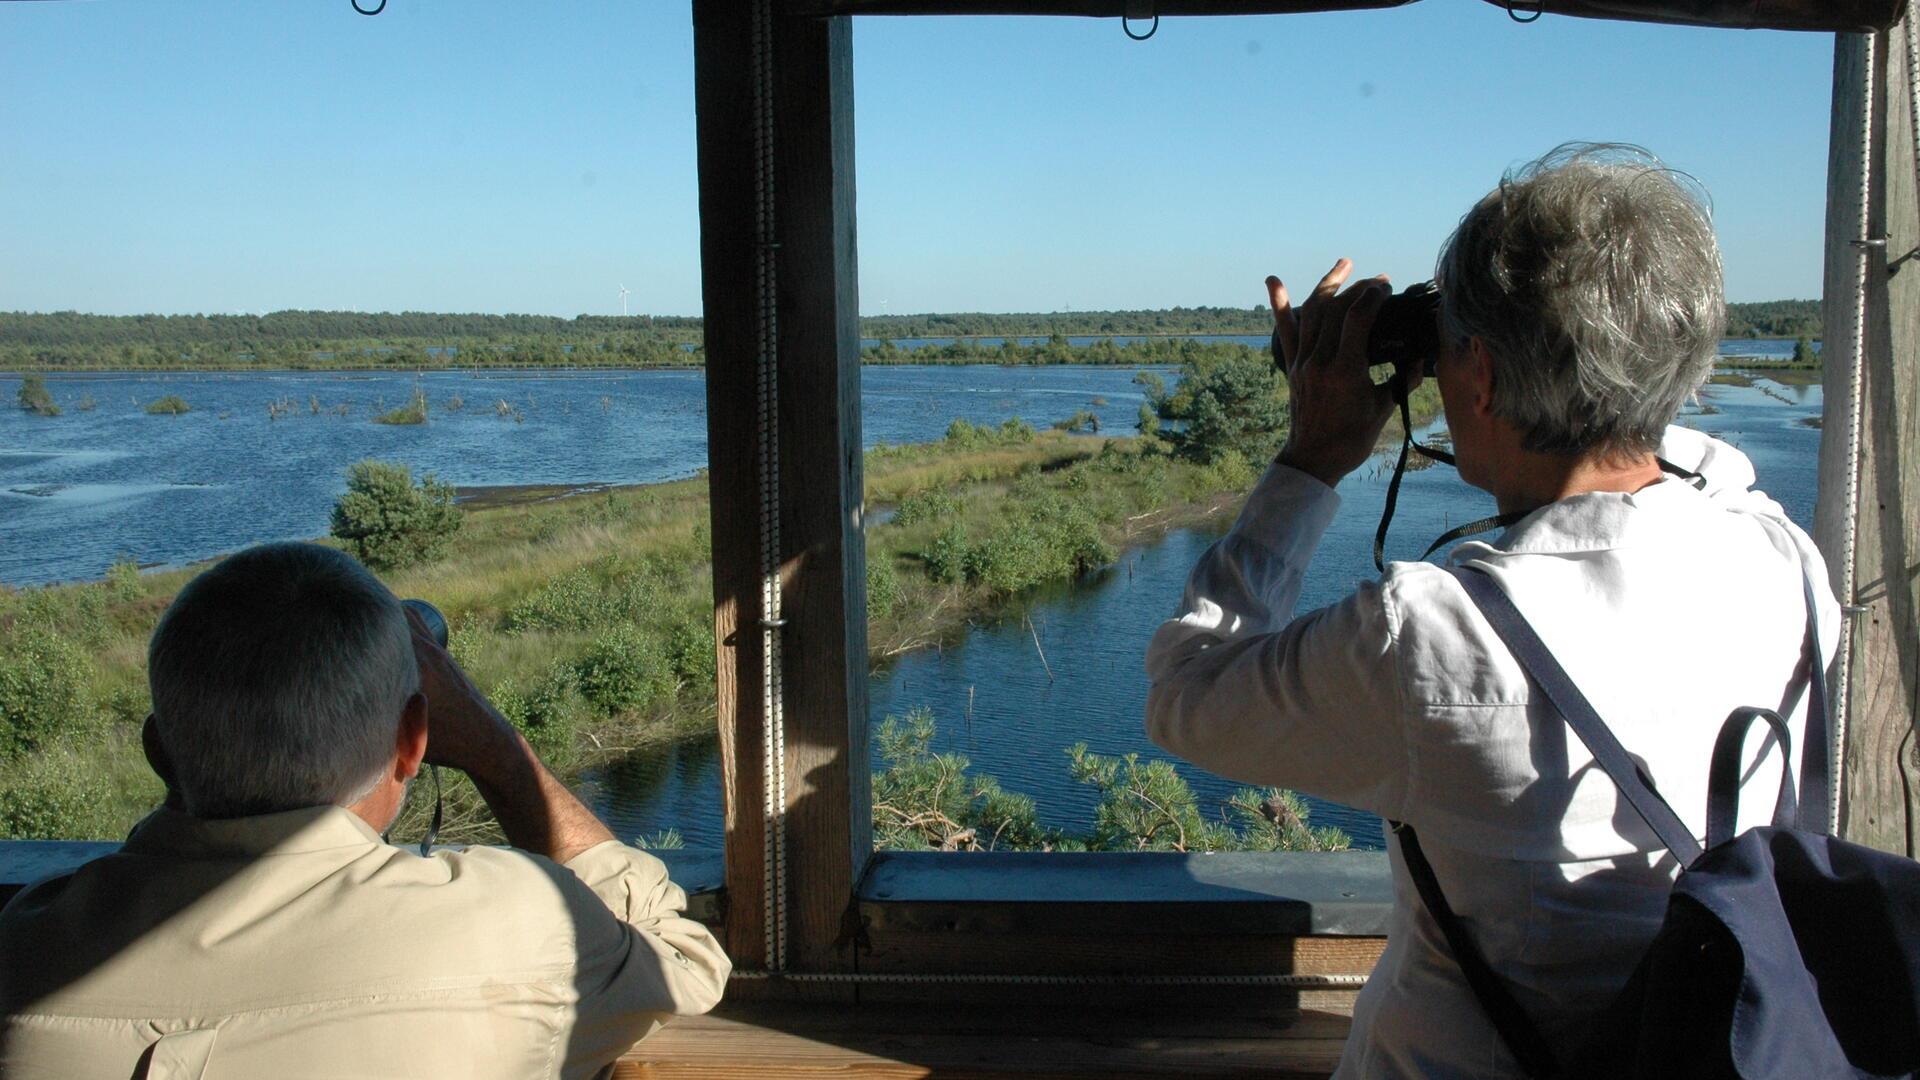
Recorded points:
(883, 587)
(928, 800)
(1049, 540)
(170, 405)
(924, 799)
(624, 670)
(548, 713)
(56, 797)
(389, 521)
(34, 397)
(931, 505)
(1233, 401)
(43, 684)
(413, 412)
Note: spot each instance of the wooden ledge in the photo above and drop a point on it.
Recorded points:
(761, 1041)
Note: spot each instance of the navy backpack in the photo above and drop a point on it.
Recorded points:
(1785, 952)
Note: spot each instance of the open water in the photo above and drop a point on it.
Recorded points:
(81, 490)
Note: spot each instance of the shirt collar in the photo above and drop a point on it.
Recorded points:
(313, 828)
(1595, 521)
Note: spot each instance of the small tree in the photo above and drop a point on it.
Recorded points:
(34, 397)
(1803, 350)
(1233, 403)
(389, 520)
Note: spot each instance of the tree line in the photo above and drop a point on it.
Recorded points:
(69, 340)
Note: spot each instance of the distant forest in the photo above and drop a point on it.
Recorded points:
(324, 339)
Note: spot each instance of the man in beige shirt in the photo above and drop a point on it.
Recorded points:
(257, 926)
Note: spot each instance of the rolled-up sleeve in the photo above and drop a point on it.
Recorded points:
(648, 962)
(1244, 690)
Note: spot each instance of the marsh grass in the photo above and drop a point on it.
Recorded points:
(413, 412)
(589, 618)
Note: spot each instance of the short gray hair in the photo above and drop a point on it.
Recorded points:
(278, 680)
(1593, 277)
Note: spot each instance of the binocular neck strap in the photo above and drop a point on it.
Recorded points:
(1485, 524)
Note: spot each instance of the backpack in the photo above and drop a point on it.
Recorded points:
(1785, 952)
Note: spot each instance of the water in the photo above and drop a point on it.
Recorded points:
(80, 490)
(1095, 633)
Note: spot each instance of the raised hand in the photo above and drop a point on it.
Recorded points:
(1337, 411)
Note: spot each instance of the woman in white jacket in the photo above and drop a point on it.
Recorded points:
(1581, 305)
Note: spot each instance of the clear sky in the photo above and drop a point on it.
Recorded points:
(470, 155)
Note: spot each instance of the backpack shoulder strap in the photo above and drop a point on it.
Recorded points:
(1509, 1019)
(1553, 680)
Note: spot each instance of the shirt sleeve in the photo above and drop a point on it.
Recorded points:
(646, 963)
(1243, 690)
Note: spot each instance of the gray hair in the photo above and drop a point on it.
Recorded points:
(278, 680)
(1593, 278)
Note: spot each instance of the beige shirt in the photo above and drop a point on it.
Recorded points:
(300, 945)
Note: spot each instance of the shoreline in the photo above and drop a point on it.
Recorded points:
(82, 373)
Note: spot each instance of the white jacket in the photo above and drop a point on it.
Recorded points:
(1669, 607)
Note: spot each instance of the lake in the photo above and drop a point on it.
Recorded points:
(996, 701)
(84, 489)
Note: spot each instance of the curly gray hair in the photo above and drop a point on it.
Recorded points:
(1593, 277)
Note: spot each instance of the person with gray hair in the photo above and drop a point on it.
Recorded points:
(1580, 306)
(258, 924)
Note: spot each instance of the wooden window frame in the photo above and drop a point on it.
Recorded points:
(778, 246)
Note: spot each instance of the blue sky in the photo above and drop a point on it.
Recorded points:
(226, 155)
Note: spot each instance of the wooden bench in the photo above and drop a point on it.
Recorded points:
(763, 1041)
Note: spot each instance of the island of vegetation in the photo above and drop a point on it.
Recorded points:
(588, 618)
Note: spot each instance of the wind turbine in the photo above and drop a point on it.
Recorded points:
(623, 300)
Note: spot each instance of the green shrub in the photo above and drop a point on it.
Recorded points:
(623, 670)
(578, 601)
(883, 586)
(391, 522)
(123, 580)
(927, 800)
(35, 398)
(1235, 401)
(413, 412)
(170, 405)
(43, 689)
(1053, 541)
(1079, 422)
(56, 797)
(690, 650)
(1144, 806)
(548, 713)
(933, 505)
(1276, 820)
(947, 555)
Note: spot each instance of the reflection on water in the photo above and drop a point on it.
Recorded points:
(995, 702)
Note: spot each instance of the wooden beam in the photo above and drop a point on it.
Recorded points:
(1111, 9)
(1819, 15)
(1879, 803)
(775, 111)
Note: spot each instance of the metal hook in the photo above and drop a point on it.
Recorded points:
(364, 11)
(1538, 7)
(1125, 28)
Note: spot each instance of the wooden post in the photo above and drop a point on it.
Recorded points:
(1880, 800)
(775, 104)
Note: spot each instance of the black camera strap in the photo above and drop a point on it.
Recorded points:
(1407, 447)
(1485, 524)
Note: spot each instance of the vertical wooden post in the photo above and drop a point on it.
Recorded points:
(775, 105)
(1880, 799)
